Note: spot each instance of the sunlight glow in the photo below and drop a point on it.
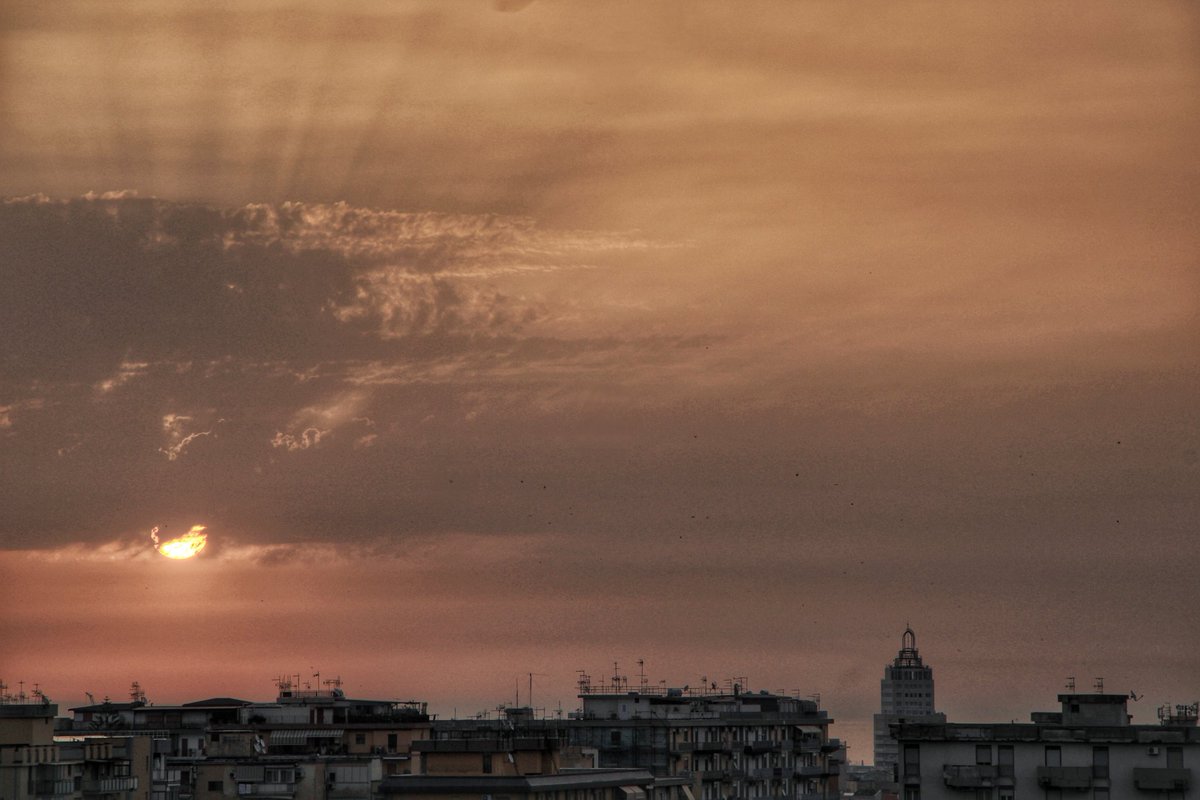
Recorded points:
(184, 546)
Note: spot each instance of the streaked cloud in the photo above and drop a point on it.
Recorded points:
(790, 324)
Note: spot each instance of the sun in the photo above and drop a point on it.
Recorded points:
(181, 547)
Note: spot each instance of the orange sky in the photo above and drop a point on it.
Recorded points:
(489, 338)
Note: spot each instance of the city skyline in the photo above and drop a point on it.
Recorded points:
(448, 343)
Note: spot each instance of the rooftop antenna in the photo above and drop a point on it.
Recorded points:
(531, 674)
(91, 699)
(1098, 685)
(1071, 683)
(641, 673)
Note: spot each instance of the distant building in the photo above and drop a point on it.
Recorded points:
(1088, 750)
(36, 764)
(306, 745)
(644, 743)
(624, 784)
(906, 695)
(729, 744)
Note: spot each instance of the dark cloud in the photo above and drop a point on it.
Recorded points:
(96, 282)
(188, 352)
(928, 352)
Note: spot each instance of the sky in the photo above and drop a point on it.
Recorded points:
(501, 337)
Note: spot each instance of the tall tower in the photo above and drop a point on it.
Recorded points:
(906, 694)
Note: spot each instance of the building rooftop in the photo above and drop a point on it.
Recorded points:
(217, 702)
(483, 784)
(1034, 732)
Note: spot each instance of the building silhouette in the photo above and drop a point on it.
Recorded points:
(1089, 750)
(627, 742)
(906, 695)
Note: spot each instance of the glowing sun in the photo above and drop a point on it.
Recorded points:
(184, 546)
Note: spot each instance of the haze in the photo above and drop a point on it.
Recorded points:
(489, 339)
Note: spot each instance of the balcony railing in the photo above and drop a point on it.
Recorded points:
(110, 785)
(266, 789)
(969, 776)
(48, 787)
(1162, 779)
(1064, 777)
(703, 747)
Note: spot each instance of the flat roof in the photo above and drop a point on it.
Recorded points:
(484, 784)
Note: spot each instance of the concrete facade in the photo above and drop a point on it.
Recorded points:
(37, 765)
(1088, 750)
(905, 695)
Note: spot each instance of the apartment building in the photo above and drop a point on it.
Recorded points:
(35, 764)
(731, 743)
(1088, 749)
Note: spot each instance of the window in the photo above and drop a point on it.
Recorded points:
(277, 774)
(360, 738)
(983, 754)
(1100, 794)
(614, 737)
(214, 737)
(1100, 762)
(912, 793)
(391, 743)
(216, 786)
(983, 794)
(912, 761)
(1005, 762)
(487, 763)
(1005, 794)
(1175, 757)
(1053, 755)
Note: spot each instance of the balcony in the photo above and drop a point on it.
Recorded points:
(702, 747)
(768, 773)
(1064, 777)
(969, 776)
(280, 790)
(51, 788)
(110, 785)
(811, 771)
(760, 747)
(1162, 779)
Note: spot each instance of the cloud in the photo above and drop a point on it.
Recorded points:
(309, 437)
(178, 441)
(130, 280)
(126, 371)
